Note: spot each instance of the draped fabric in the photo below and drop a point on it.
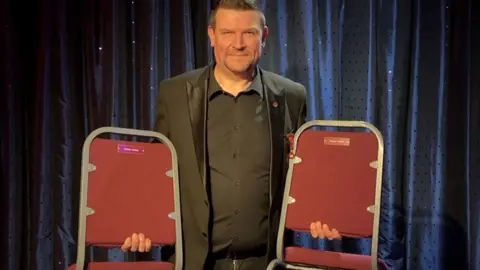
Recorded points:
(410, 67)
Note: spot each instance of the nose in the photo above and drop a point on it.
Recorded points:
(239, 43)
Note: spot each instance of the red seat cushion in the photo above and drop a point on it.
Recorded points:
(305, 256)
(127, 266)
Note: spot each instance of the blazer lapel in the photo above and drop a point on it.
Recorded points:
(279, 125)
(197, 103)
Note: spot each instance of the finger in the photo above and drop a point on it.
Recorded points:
(127, 244)
(336, 234)
(148, 245)
(141, 244)
(135, 243)
(313, 230)
(329, 235)
(327, 232)
(318, 227)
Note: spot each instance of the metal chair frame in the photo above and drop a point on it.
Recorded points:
(87, 167)
(286, 197)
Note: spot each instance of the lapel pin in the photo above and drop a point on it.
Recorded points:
(275, 104)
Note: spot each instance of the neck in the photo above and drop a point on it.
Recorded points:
(233, 83)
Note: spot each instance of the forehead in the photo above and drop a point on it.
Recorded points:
(231, 18)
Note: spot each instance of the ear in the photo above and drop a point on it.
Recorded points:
(211, 35)
(264, 35)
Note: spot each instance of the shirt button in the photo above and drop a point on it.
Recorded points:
(235, 238)
(236, 127)
(234, 155)
(237, 211)
(237, 183)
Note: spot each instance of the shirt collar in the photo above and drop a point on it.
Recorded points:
(256, 84)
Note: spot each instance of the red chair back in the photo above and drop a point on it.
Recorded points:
(334, 182)
(130, 190)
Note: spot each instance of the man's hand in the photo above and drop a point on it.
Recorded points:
(319, 230)
(137, 242)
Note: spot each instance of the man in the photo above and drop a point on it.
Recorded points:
(228, 122)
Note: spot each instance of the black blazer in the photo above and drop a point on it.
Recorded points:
(181, 116)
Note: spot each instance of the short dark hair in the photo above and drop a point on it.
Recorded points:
(243, 5)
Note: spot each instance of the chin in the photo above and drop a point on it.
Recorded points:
(239, 68)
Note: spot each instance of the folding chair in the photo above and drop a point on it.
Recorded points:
(128, 187)
(336, 178)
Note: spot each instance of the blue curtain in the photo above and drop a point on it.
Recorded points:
(411, 67)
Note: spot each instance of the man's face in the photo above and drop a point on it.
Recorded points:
(237, 39)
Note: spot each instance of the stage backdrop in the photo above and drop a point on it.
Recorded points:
(411, 67)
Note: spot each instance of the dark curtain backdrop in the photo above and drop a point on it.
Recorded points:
(411, 67)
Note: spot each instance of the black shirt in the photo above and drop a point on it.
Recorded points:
(238, 146)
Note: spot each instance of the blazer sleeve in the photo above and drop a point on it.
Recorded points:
(302, 114)
(161, 120)
(160, 125)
